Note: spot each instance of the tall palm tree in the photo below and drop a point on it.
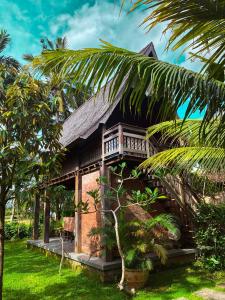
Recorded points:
(70, 94)
(6, 62)
(197, 24)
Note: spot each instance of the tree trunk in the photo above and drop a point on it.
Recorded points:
(36, 217)
(47, 220)
(2, 223)
(13, 210)
(58, 210)
(122, 256)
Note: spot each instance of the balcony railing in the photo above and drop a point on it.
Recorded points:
(128, 140)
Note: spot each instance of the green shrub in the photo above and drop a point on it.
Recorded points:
(55, 226)
(210, 235)
(14, 230)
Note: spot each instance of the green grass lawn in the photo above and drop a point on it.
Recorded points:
(31, 275)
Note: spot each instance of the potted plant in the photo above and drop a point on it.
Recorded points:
(145, 237)
(121, 200)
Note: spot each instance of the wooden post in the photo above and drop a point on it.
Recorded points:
(46, 219)
(36, 216)
(77, 198)
(105, 204)
(120, 139)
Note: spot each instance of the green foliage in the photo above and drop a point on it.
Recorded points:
(210, 235)
(191, 24)
(137, 238)
(14, 230)
(55, 227)
(187, 151)
(61, 200)
(144, 237)
(172, 84)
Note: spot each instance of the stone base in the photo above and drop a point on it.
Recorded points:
(97, 267)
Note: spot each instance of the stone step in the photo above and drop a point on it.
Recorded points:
(208, 294)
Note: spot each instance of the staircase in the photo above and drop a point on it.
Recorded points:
(180, 202)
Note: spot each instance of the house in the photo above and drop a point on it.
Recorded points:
(98, 135)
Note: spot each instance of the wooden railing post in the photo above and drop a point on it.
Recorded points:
(46, 218)
(120, 131)
(35, 234)
(77, 198)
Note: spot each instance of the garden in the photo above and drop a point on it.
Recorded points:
(31, 275)
(95, 136)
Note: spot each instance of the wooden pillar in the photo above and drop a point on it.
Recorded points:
(120, 128)
(77, 198)
(46, 218)
(106, 218)
(36, 216)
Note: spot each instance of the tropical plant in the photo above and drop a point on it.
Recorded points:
(121, 200)
(28, 136)
(197, 25)
(68, 93)
(192, 23)
(209, 235)
(7, 61)
(185, 150)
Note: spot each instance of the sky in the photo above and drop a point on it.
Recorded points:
(83, 23)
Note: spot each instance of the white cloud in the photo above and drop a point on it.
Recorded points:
(84, 27)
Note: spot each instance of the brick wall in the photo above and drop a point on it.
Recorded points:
(88, 221)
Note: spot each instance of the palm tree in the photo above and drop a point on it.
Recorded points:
(6, 62)
(196, 24)
(68, 93)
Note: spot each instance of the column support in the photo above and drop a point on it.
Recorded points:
(35, 234)
(105, 203)
(77, 222)
(46, 218)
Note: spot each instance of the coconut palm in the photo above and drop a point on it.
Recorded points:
(6, 61)
(186, 151)
(69, 94)
(196, 24)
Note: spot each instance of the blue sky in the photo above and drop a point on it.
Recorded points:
(83, 23)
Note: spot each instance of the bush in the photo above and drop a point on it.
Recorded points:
(54, 227)
(14, 230)
(210, 235)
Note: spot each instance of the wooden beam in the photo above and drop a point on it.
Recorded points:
(46, 218)
(77, 198)
(35, 234)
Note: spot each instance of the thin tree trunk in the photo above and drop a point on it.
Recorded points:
(36, 217)
(116, 227)
(58, 210)
(13, 210)
(2, 223)
(47, 220)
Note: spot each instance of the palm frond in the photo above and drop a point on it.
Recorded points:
(188, 132)
(204, 159)
(135, 75)
(4, 40)
(160, 251)
(191, 23)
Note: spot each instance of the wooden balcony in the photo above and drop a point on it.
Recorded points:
(125, 140)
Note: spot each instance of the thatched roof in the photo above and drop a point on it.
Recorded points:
(88, 117)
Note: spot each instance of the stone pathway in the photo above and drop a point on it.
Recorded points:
(208, 294)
